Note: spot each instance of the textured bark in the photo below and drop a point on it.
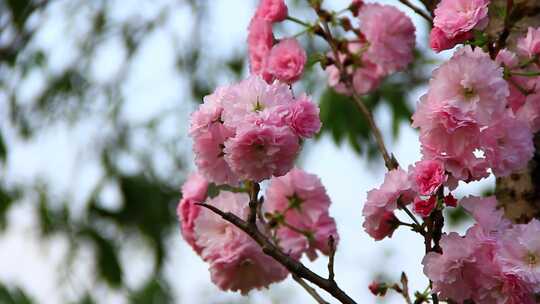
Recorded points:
(519, 193)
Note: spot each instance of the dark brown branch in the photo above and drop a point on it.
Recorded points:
(405, 288)
(312, 292)
(332, 246)
(253, 202)
(417, 10)
(508, 24)
(294, 266)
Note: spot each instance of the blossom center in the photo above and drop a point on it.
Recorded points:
(468, 93)
(221, 148)
(258, 106)
(532, 259)
(294, 201)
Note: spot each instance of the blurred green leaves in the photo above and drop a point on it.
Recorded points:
(344, 122)
(13, 295)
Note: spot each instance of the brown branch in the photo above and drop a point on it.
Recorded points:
(389, 161)
(253, 202)
(294, 266)
(332, 255)
(417, 10)
(508, 24)
(405, 288)
(312, 292)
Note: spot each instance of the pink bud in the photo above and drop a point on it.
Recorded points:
(450, 200)
(286, 60)
(439, 42)
(424, 207)
(378, 289)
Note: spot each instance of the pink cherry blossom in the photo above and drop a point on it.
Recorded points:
(286, 60)
(252, 97)
(463, 98)
(272, 10)
(379, 223)
(295, 243)
(530, 112)
(509, 60)
(485, 213)
(260, 40)
(301, 200)
(508, 145)
(448, 135)
(472, 82)
(453, 271)
(260, 152)
(367, 78)
(438, 40)
(379, 219)
(300, 193)
(377, 288)
(507, 288)
(302, 116)
(246, 268)
(450, 200)
(455, 17)
(326, 227)
(520, 252)
(193, 191)
(209, 135)
(390, 47)
(424, 207)
(427, 176)
(237, 263)
(530, 45)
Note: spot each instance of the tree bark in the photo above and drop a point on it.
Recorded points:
(519, 193)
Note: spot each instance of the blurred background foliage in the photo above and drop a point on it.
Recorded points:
(144, 161)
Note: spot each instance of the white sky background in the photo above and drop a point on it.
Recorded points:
(58, 157)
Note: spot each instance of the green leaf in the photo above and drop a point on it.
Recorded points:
(108, 263)
(341, 119)
(3, 149)
(13, 296)
(156, 291)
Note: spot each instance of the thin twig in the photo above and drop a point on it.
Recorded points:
(388, 160)
(405, 288)
(298, 21)
(417, 10)
(309, 290)
(525, 74)
(409, 213)
(270, 249)
(332, 255)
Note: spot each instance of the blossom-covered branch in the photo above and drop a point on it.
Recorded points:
(294, 266)
(477, 118)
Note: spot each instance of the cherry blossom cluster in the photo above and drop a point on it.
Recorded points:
(296, 206)
(494, 262)
(420, 186)
(283, 60)
(465, 120)
(377, 50)
(246, 133)
(478, 117)
(251, 131)
(455, 21)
